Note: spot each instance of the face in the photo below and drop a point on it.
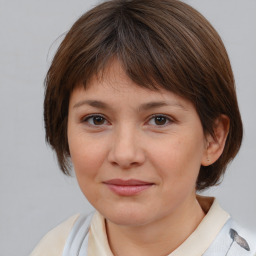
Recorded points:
(136, 152)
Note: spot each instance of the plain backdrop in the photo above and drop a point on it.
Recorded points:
(34, 195)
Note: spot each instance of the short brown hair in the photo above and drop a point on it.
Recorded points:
(160, 43)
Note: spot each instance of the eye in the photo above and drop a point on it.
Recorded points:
(159, 120)
(95, 120)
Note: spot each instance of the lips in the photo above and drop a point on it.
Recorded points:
(127, 187)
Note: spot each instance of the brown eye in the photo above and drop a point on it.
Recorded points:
(159, 120)
(98, 120)
(95, 120)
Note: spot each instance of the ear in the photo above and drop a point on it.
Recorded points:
(214, 146)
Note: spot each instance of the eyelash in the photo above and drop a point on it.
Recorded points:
(87, 118)
(168, 120)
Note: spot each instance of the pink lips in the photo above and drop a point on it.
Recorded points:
(127, 187)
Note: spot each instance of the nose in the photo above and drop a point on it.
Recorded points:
(126, 149)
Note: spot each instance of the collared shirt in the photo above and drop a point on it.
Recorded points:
(216, 235)
(196, 244)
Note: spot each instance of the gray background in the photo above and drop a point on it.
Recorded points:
(34, 195)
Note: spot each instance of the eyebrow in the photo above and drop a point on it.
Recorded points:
(142, 107)
(158, 104)
(92, 103)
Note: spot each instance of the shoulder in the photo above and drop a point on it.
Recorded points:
(233, 239)
(243, 237)
(230, 237)
(53, 242)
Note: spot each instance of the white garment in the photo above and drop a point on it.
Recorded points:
(216, 235)
(211, 237)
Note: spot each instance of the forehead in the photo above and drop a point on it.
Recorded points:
(113, 85)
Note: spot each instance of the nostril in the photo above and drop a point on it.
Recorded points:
(125, 151)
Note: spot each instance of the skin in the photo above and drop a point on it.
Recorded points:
(129, 142)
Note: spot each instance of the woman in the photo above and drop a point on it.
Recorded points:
(140, 100)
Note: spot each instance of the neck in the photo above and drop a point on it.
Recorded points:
(160, 237)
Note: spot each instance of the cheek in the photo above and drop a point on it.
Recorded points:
(86, 155)
(87, 160)
(178, 158)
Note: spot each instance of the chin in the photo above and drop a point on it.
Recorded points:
(128, 216)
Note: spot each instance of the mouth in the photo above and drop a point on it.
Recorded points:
(127, 187)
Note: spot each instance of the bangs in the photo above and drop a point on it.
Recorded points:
(152, 54)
